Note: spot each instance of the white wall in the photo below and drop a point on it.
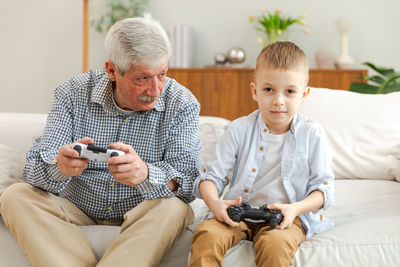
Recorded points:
(41, 40)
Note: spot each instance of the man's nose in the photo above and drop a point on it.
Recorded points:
(154, 87)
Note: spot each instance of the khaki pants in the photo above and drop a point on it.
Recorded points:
(46, 227)
(272, 248)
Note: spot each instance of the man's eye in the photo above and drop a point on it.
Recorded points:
(162, 75)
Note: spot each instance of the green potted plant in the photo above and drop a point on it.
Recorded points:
(117, 10)
(386, 80)
(274, 26)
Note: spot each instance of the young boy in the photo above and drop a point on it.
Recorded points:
(279, 158)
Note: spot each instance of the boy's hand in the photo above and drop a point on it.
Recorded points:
(289, 213)
(219, 209)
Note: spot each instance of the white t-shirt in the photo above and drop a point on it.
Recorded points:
(268, 185)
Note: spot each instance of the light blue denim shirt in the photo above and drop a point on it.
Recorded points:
(305, 166)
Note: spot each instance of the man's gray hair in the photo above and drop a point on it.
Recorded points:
(137, 40)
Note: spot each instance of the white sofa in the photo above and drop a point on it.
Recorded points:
(364, 133)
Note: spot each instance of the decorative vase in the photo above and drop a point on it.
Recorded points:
(343, 60)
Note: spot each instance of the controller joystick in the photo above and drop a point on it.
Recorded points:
(245, 212)
(95, 153)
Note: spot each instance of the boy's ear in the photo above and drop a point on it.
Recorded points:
(110, 70)
(306, 92)
(253, 90)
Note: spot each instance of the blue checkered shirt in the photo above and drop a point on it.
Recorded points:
(166, 138)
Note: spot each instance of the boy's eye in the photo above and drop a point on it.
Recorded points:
(268, 89)
(290, 91)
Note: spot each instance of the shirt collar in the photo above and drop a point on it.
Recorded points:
(264, 128)
(102, 94)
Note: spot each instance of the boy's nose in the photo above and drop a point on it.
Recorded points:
(278, 100)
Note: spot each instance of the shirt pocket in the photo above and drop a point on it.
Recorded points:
(301, 172)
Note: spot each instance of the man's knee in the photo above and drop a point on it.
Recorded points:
(176, 208)
(14, 191)
(12, 196)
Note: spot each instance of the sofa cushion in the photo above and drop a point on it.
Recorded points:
(210, 130)
(11, 166)
(363, 131)
(18, 130)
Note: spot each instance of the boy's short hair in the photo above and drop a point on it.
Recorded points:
(282, 55)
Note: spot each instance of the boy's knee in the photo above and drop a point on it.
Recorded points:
(209, 230)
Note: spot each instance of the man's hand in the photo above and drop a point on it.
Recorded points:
(67, 159)
(219, 209)
(128, 169)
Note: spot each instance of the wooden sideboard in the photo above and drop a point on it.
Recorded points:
(225, 92)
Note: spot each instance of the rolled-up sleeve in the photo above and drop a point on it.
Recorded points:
(41, 169)
(320, 164)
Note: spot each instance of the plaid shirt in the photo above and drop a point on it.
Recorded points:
(166, 138)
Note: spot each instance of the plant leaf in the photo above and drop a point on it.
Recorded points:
(363, 88)
(376, 79)
(384, 71)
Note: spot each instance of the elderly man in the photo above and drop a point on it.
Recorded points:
(133, 107)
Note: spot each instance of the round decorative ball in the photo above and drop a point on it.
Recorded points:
(220, 59)
(236, 55)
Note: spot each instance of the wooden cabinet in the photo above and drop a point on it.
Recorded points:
(225, 92)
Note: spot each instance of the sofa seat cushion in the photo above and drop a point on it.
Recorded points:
(363, 131)
(366, 232)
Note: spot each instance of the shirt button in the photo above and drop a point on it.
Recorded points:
(261, 148)
(204, 170)
(110, 208)
(246, 190)
(325, 182)
(253, 170)
(112, 185)
(265, 130)
(321, 217)
(127, 119)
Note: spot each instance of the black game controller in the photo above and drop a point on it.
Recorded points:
(245, 212)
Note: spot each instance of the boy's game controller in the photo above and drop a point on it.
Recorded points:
(244, 212)
(95, 153)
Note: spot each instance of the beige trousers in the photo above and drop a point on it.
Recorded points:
(46, 227)
(273, 248)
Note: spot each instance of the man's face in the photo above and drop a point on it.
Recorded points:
(140, 87)
(279, 94)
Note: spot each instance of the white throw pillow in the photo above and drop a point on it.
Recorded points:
(363, 131)
(11, 166)
(210, 131)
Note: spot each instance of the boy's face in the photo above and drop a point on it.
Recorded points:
(279, 94)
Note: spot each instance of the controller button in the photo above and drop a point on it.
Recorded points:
(114, 154)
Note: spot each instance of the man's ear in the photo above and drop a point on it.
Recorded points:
(253, 90)
(111, 70)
